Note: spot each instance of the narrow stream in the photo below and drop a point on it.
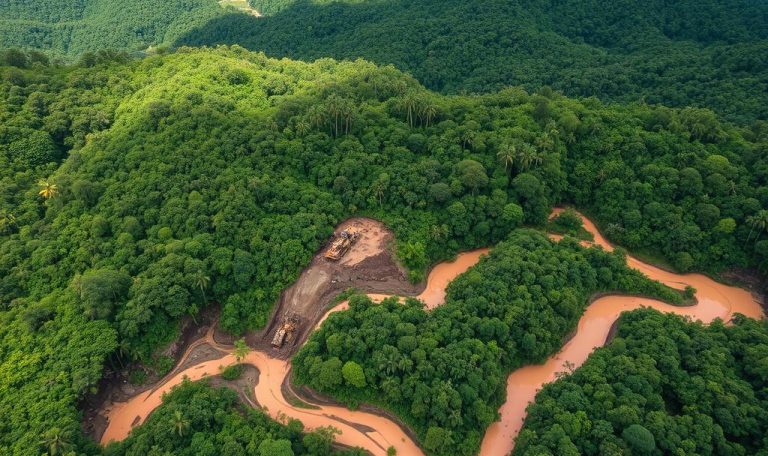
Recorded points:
(376, 434)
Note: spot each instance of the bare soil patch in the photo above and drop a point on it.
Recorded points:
(368, 266)
(373, 239)
(200, 354)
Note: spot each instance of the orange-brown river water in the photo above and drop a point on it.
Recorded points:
(714, 300)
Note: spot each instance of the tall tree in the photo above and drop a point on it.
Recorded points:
(241, 350)
(55, 441)
(180, 423)
(48, 189)
(507, 154)
(758, 223)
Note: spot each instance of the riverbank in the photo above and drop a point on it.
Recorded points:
(714, 300)
(314, 399)
(369, 266)
(116, 386)
(376, 432)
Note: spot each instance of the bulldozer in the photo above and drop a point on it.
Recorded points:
(340, 246)
(285, 331)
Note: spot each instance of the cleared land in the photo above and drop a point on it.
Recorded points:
(367, 266)
(242, 5)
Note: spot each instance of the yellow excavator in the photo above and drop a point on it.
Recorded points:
(340, 246)
(285, 331)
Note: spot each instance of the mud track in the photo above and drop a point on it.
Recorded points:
(375, 431)
(369, 267)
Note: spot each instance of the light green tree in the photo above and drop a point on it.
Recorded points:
(353, 374)
(241, 349)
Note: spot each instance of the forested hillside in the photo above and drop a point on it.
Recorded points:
(688, 53)
(663, 386)
(708, 54)
(68, 28)
(132, 193)
(445, 372)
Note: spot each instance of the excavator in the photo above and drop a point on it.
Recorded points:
(285, 331)
(340, 246)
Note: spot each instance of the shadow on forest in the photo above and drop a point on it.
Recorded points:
(454, 46)
(305, 22)
(309, 31)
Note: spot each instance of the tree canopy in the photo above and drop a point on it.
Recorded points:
(684, 53)
(663, 386)
(444, 372)
(81, 28)
(198, 420)
(215, 174)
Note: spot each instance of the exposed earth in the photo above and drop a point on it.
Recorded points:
(376, 430)
(368, 266)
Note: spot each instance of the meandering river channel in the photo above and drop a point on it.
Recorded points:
(376, 433)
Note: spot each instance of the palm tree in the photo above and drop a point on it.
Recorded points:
(390, 363)
(601, 175)
(123, 350)
(47, 189)
(302, 127)
(454, 417)
(409, 103)
(429, 112)
(545, 142)
(757, 222)
(202, 281)
(334, 107)
(379, 191)
(379, 187)
(55, 441)
(316, 116)
(553, 132)
(348, 114)
(467, 137)
(527, 156)
(179, 423)
(241, 349)
(733, 187)
(507, 154)
(438, 231)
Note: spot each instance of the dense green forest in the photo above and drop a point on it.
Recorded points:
(663, 386)
(132, 192)
(444, 372)
(686, 53)
(69, 28)
(197, 420)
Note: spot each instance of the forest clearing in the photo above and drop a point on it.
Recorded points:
(241, 5)
(376, 434)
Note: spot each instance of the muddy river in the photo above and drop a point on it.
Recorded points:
(376, 433)
(714, 300)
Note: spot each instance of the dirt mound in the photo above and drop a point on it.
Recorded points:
(373, 238)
